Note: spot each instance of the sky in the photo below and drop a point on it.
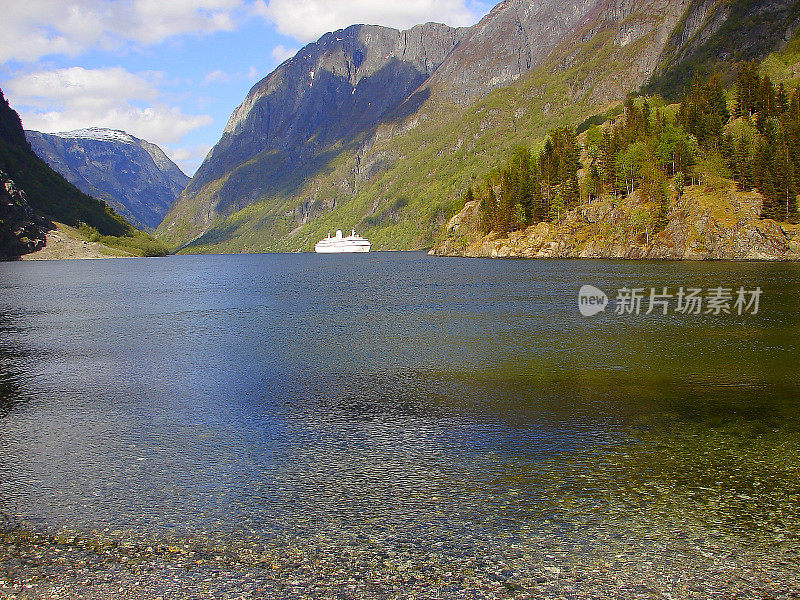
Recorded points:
(171, 71)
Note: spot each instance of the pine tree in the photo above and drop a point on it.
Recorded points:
(608, 157)
(765, 176)
(717, 100)
(785, 179)
(748, 83)
(594, 183)
(469, 195)
(541, 204)
(506, 202)
(782, 100)
(488, 209)
(522, 171)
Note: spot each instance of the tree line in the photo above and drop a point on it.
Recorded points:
(655, 150)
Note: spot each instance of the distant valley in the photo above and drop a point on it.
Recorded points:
(35, 200)
(131, 175)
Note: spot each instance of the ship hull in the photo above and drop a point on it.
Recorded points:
(341, 248)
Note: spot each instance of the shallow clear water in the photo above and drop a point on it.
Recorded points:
(397, 399)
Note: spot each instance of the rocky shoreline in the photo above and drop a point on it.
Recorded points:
(704, 224)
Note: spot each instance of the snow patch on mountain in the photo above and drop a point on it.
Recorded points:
(99, 134)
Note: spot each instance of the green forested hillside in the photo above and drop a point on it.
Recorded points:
(656, 151)
(48, 193)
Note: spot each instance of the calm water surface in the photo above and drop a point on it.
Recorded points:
(398, 399)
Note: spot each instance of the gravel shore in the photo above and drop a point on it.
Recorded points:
(102, 566)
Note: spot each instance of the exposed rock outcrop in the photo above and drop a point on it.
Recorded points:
(704, 224)
(21, 230)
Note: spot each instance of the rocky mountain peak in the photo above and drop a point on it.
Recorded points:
(331, 91)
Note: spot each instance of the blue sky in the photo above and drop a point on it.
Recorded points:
(171, 71)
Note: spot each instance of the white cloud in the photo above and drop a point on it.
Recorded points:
(217, 76)
(188, 159)
(307, 20)
(86, 89)
(36, 28)
(73, 98)
(280, 54)
(153, 21)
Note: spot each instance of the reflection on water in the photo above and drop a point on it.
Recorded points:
(400, 401)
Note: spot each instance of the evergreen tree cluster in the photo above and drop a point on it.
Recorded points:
(530, 189)
(704, 112)
(762, 147)
(646, 149)
(639, 151)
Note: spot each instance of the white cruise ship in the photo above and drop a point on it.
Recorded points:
(338, 244)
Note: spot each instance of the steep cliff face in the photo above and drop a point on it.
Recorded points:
(365, 129)
(513, 38)
(716, 34)
(131, 175)
(305, 112)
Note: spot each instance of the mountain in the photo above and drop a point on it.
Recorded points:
(34, 199)
(131, 175)
(382, 130)
(32, 193)
(298, 119)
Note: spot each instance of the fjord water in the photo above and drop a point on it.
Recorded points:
(451, 406)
